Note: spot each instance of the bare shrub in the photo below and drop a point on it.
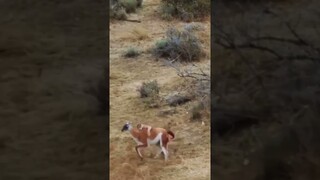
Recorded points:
(186, 10)
(198, 88)
(181, 45)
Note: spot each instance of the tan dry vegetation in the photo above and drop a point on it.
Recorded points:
(189, 154)
(137, 33)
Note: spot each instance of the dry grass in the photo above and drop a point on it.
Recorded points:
(140, 33)
(135, 34)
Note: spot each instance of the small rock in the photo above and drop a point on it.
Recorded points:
(175, 99)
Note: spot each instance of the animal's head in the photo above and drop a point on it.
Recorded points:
(126, 127)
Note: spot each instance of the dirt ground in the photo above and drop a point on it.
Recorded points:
(189, 154)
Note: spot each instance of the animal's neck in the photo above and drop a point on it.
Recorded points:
(130, 128)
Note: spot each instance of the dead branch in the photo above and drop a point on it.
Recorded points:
(228, 41)
(199, 76)
(202, 78)
(129, 20)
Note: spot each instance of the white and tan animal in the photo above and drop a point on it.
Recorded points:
(158, 136)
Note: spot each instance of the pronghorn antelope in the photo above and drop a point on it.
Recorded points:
(158, 136)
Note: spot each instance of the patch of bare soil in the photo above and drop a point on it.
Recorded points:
(189, 154)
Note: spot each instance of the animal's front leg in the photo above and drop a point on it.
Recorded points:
(138, 151)
(158, 153)
(165, 152)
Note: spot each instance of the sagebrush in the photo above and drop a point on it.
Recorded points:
(181, 45)
(186, 10)
(149, 91)
(131, 52)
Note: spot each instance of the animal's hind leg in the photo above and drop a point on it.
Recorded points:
(165, 152)
(164, 146)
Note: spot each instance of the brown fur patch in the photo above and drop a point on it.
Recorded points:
(142, 135)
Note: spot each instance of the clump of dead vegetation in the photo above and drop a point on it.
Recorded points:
(131, 52)
(118, 12)
(186, 10)
(199, 90)
(140, 33)
(149, 92)
(120, 8)
(136, 34)
(179, 45)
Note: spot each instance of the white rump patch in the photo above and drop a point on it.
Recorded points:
(155, 140)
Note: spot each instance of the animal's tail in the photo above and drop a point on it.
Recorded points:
(171, 135)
